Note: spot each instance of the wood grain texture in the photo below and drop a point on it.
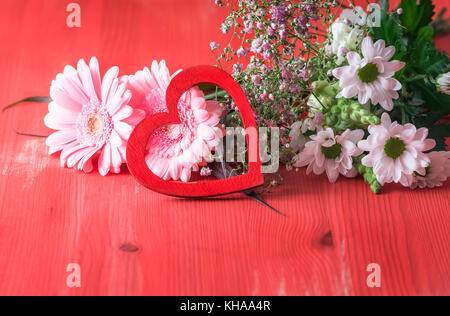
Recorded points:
(131, 241)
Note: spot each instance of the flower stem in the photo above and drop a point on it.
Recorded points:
(215, 96)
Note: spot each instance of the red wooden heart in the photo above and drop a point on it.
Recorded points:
(138, 139)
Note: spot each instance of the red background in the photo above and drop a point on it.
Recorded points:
(129, 240)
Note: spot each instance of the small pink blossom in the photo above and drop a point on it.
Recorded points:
(318, 118)
(91, 116)
(214, 46)
(205, 172)
(305, 74)
(396, 152)
(242, 52)
(343, 51)
(331, 154)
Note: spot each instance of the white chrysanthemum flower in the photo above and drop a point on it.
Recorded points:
(444, 83)
(345, 36)
(371, 77)
(396, 152)
(300, 133)
(331, 154)
(436, 173)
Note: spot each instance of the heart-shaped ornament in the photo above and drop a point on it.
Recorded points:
(136, 149)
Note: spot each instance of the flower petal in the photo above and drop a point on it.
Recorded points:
(367, 47)
(353, 58)
(104, 161)
(109, 82)
(61, 137)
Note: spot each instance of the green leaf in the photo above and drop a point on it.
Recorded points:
(384, 5)
(427, 59)
(439, 133)
(426, 33)
(390, 29)
(427, 7)
(433, 99)
(416, 15)
(45, 100)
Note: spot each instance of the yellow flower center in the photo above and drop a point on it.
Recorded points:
(94, 124)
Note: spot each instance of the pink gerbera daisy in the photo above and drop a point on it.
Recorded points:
(371, 77)
(331, 154)
(396, 152)
(174, 151)
(91, 116)
(436, 173)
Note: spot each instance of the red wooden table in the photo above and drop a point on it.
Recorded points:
(128, 240)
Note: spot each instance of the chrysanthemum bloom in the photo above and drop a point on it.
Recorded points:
(396, 152)
(344, 35)
(444, 83)
(174, 151)
(300, 133)
(371, 77)
(331, 154)
(346, 32)
(436, 173)
(91, 116)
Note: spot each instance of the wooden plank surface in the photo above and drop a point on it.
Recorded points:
(130, 241)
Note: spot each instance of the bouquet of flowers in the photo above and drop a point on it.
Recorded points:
(349, 92)
(360, 93)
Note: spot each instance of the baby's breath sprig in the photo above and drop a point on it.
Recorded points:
(271, 46)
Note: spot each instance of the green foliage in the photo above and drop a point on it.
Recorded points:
(390, 29)
(426, 59)
(412, 35)
(437, 130)
(416, 15)
(426, 33)
(349, 114)
(368, 174)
